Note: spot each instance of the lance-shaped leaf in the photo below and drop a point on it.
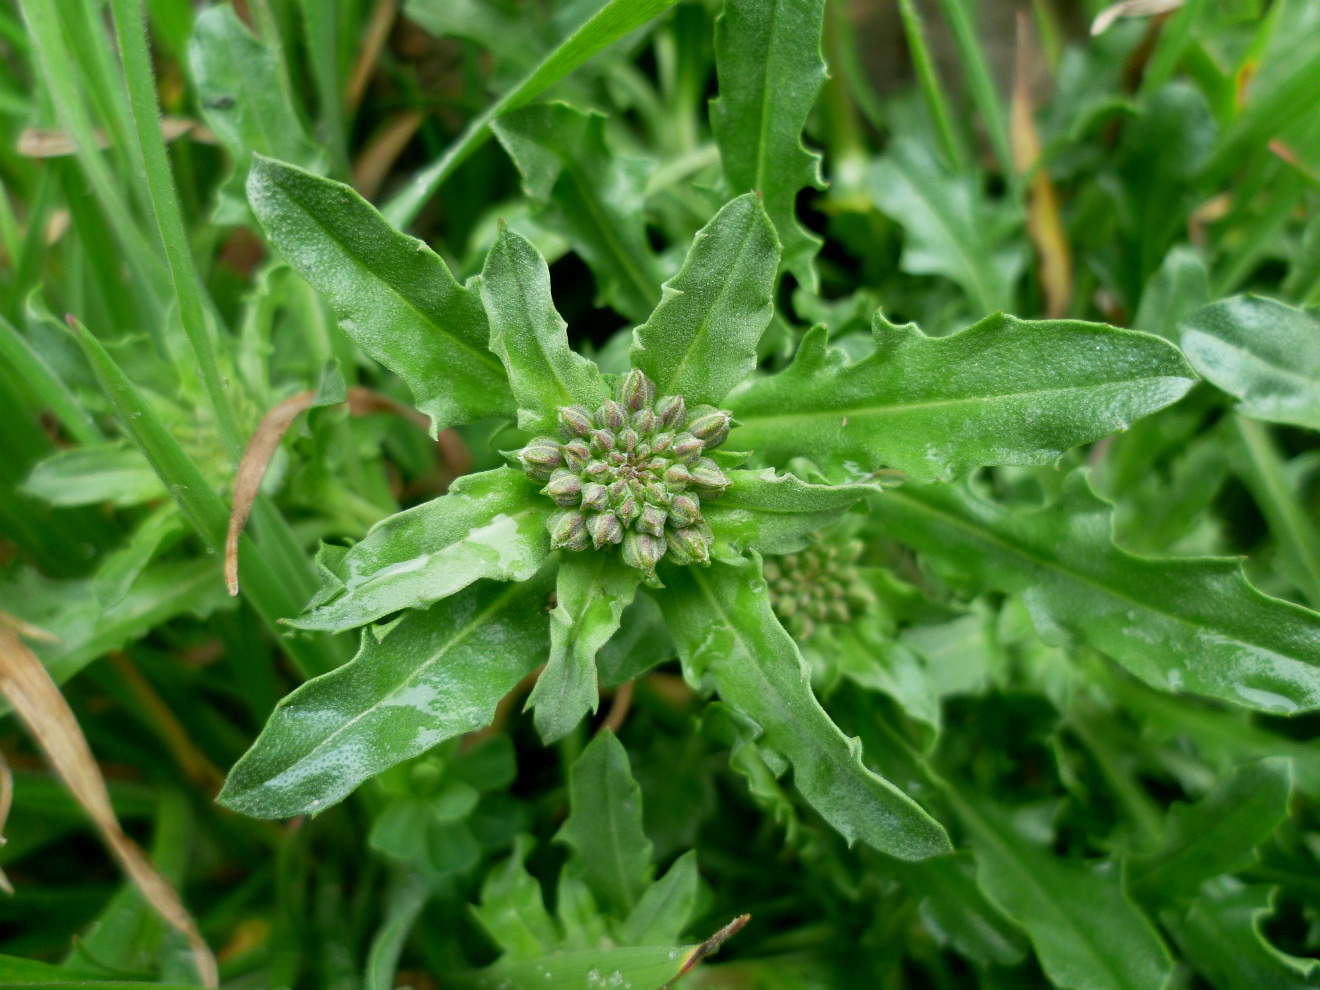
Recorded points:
(489, 525)
(728, 636)
(512, 910)
(436, 675)
(1003, 391)
(1086, 933)
(1262, 352)
(1218, 834)
(529, 336)
(663, 912)
(604, 827)
(393, 294)
(588, 196)
(701, 339)
(776, 513)
(767, 56)
(1180, 624)
(114, 471)
(957, 913)
(594, 588)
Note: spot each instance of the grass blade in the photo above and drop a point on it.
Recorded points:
(984, 93)
(932, 90)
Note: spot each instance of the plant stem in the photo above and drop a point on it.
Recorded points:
(984, 93)
(931, 89)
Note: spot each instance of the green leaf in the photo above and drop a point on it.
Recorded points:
(638, 966)
(593, 199)
(1179, 287)
(594, 588)
(728, 636)
(957, 914)
(489, 525)
(512, 911)
(529, 336)
(701, 339)
(512, 37)
(120, 568)
(1003, 391)
(246, 99)
(30, 366)
(1218, 834)
(1265, 354)
(777, 513)
(604, 826)
(404, 901)
(664, 911)
(394, 295)
(1180, 624)
(757, 120)
(642, 642)
(111, 471)
(436, 675)
(952, 230)
(1086, 933)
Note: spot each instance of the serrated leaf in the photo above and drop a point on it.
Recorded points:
(701, 340)
(728, 636)
(604, 826)
(957, 914)
(593, 199)
(776, 513)
(1086, 933)
(1218, 834)
(528, 335)
(1265, 354)
(489, 525)
(394, 296)
(663, 912)
(1003, 391)
(511, 908)
(116, 472)
(768, 59)
(438, 674)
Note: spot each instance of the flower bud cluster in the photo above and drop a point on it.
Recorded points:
(817, 587)
(632, 472)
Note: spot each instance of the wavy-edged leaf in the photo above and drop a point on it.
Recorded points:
(767, 56)
(701, 340)
(1003, 391)
(635, 965)
(114, 471)
(593, 199)
(664, 911)
(528, 335)
(489, 525)
(393, 294)
(436, 675)
(1180, 624)
(728, 636)
(512, 910)
(1265, 354)
(776, 513)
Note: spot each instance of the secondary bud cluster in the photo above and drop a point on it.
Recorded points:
(819, 586)
(633, 472)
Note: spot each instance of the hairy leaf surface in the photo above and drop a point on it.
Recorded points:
(776, 513)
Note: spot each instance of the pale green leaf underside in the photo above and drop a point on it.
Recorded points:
(777, 513)
(114, 471)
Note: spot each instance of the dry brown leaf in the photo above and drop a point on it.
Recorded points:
(6, 801)
(27, 630)
(383, 150)
(51, 142)
(618, 708)
(27, 685)
(373, 43)
(709, 947)
(1131, 8)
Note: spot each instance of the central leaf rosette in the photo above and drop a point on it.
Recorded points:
(633, 472)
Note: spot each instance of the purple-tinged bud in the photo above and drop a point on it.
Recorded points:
(574, 421)
(570, 532)
(644, 422)
(604, 527)
(684, 510)
(611, 416)
(638, 490)
(662, 443)
(709, 480)
(540, 457)
(672, 412)
(617, 458)
(576, 455)
(596, 470)
(709, 425)
(619, 490)
(677, 477)
(657, 493)
(595, 497)
(636, 390)
(628, 510)
(687, 448)
(657, 465)
(688, 546)
(642, 551)
(652, 520)
(628, 439)
(564, 488)
(643, 450)
(601, 441)
(839, 611)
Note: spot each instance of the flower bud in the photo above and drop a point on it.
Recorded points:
(596, 470)
(604, 527)
(611, 415)
(564, 487)
(602, 440)
(677, 477)
(687, 448)
(652, 520)
(540, 458)
(684, 510)
(709, 425)
(636, 390)
(672, 412)
(643, 421)
(662, 443)
(709, 480)
(628, 439)
(628, 510)
(656, 493)
(570, 532)
(574, 421)
(595, 497)
(619, 490)
(642, 551)
(688, 546)
(576, 454)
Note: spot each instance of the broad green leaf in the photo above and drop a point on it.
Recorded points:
(246, 99)
(394, 295)
(512, 911)
(767, 55)
(641, 642)
(952, 230)
(1265, 354)
(1179, 287)
(593, 199)
(30, 366)
(593, 589)
(776, 513)
(404, 901)
(1218, 834)
(112, 471)
(436, 675)
(637, 966)
(701, 339)
(1180, 624)
(1221, 938)
(489, 525)
(728, 636)
(528, 335)
(579, 917)
(663, 912)
(121, 567)
(1003, 391)
(957, 914)
(1086, 933)
(604, 826)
